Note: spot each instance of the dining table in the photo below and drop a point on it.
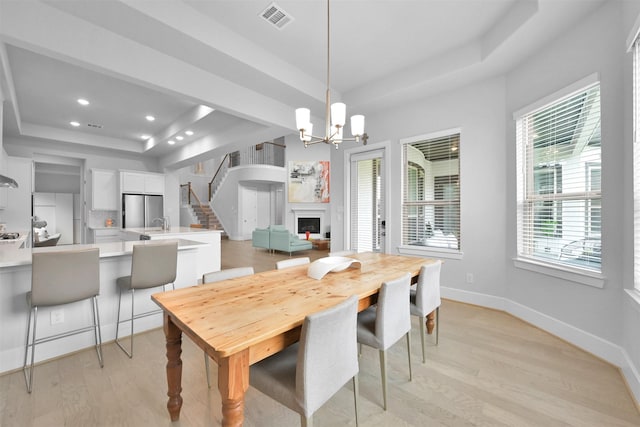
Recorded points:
(240, 321)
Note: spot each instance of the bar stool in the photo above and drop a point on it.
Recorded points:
(60, 278)
(152, 265)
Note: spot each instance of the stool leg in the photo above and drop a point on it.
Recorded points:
(27, 378)
(118, 325)
(33, 349)
(96, 329)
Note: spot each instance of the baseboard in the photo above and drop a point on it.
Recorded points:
(593, 344)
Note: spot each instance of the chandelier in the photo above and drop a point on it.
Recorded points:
(335, 114)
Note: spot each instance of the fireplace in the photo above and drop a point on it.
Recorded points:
(310, 224)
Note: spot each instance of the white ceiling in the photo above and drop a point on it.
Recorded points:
(217, 68)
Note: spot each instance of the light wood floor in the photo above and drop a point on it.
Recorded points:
(489, 369)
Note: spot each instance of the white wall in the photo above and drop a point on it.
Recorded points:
(478, 111)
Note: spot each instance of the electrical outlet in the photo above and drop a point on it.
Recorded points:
(57, 316)
(469, 277)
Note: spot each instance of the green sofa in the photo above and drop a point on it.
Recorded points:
(278, 238)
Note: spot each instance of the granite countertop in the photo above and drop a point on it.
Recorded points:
(12, 255)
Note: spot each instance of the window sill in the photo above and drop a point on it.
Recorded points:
(574, 275)
(635, 296)
(431, 252)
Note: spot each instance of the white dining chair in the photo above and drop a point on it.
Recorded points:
(305, 375)
(382, 325)
(292, 262)
(60, 278)
(217, 276)
(426, 298)
(342, 253)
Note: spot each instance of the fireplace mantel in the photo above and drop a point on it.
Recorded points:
(310, 213)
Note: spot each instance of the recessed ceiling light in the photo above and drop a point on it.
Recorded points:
(188, 132)
(179, 138)
(74, 124)
(150, 118)
(171, 142)
(83, 101)
(145, 137)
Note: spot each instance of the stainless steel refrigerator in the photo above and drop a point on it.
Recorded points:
(139, 210)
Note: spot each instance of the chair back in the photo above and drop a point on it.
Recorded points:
(292, 262)
(328, 354)
(393, 317)
(428, 288)
(61, 277)
(229, 273)
(153, 264)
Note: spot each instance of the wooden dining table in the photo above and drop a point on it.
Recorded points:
(241, 321)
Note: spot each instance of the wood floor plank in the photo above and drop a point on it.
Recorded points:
(489, 369)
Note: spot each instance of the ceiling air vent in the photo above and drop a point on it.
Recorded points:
(276, 16)
(92, 125)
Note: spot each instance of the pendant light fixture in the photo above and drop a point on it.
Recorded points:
(335, 113)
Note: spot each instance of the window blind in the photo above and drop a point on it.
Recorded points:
(431, 192)
(559, 181)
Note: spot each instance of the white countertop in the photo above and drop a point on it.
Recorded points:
(11, 255)
(149, 231)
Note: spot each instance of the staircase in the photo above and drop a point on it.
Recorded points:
(206, 217)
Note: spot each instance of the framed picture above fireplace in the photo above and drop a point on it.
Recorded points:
(309, 181)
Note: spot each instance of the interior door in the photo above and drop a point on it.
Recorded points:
(249, 211)
(367, 202)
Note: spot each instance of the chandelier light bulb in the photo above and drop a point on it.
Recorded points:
(357, 125)
(338, 114)
(303, 119)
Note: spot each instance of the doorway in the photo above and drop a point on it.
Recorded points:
(367, 205)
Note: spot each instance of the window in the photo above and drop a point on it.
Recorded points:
(559, 190)
(431, 197)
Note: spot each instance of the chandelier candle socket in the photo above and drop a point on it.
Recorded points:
(335, 114)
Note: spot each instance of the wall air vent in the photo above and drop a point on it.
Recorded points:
(276, 16)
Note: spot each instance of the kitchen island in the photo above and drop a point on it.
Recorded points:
(194, 257)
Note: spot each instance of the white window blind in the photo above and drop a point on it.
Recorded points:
(636, 164)
(559, 175)
(366, 203)
(431, 194)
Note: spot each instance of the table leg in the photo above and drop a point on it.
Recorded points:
(233, 382)
(430, 322)
(173, 336)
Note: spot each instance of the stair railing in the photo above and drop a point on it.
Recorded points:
(218, 175)
(191, 192)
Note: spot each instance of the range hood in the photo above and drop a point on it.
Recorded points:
(5, 181)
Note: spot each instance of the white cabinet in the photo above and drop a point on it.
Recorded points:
(107, 235)
(142, 183)
(104, 190)
(3, 190)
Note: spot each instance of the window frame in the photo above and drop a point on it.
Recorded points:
(522, 260)
(407, 249)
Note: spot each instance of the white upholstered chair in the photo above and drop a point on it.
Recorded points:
(426, 298)
(152, 265)
(292, 262)
(382, 325)
(307, 374)
(60, 278)
(217, 276)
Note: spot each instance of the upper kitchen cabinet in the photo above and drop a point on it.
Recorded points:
(104, 190)
(142, 183)
(3, 190)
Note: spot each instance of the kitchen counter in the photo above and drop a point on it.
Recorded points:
(12, 255)
(157, 231)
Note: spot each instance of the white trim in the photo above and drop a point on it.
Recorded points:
(588, 342)
(385, 148)
(635, 296)
(430, 252)
(557, 95)
(633, 34)
(584, 277)
(431, 135)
